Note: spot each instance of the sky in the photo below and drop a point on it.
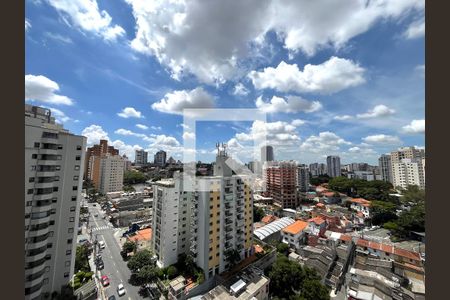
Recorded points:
(333, 77)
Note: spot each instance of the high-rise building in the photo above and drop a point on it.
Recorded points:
(409, 172)
(333, 166)
(53, 180)
(217, 217)
(160, 158)
(407, 152)
(97, 150)
(385, 167)
(106, 172)
(318, 169)
(126, 163)
(140, 157)
(267, 154)
(303, 178)
(281, 182)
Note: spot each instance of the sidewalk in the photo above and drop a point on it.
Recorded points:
(100, 290)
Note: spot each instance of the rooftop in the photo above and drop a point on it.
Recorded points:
(142, 235)
(273, 227)
(317, 220)
(296, 227)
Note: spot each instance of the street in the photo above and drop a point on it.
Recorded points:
(115, 267)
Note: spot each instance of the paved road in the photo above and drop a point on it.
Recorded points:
(115, 268)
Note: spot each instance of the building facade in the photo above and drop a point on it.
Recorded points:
(333, 166)
(111, 173)
(384, 163)
(303, 178)
(53, 180)
(160, 158)
(281, 183)
(267, 154)
(140, 157)
(97, 150)
(409, 172)
(318, 169)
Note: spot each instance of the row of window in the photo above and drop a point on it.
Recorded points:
(44, 168)
(53, 135)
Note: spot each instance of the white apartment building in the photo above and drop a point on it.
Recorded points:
(53, 180)
(111, 173)
(409, 172)
(303, 178)
(206, 223)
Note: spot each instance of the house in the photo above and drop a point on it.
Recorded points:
(268, 219)
(361, 205)
(142, 238)
(331, 197)
(294, 235)
(317, 225)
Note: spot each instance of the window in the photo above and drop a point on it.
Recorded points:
(34, 156)
(76, 177)
(47, 269)
(33, 168)
(69, 241)
(217, 254)
(66, 274)
(210, 232)
(210, 258)
(36, 145)
(28, 203)
(78, 157)
(211, 215)
(78, 147)
(45, 281)
(30, 191)
(74, 198)
(48, 257)
(74, 188)
(210, 224)
(53, 211)
(55, 189)
(71, 219)
(211, 207)
(77, 168)
(72, 208)
(51, 222)
(54, 200)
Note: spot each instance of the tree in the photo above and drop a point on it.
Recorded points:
(147, 274)
(232, 257)
(128, 247)
(283, 248)
(313, 289)
(412, 195)
(383, 212)
(319, 179)
(140, 259)
(134, 177)
(81, 258)
(128, 188)
(258, 214)
(172, 272)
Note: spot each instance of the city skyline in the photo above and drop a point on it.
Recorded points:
(357, 94)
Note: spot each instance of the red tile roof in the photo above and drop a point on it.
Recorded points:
(295, 227)
(389, 249)
(361, 201)
(142, 235)
(269, 218)
(317, 220)
(345, 237)
(320, 205)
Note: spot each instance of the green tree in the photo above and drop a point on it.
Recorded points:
(134, 177)
(258, 214)
(172, 272)
(140, 259)
(81, 258)
(147, 274)
(129, 188)
(383, 212)
(283, 248)
(319, 179)
(232, 257)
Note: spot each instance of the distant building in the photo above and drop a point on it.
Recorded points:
(294, 235)
(267, 154)
(160, 158)
(141, 157)
(53, 180)
(281, 181)
(384, 163)
(407, 152)
(97, 150)
(171, 161)
(333, 166)
(111, 173)
(364, 175)
(317, 169)
(303, 178)
(409, 172)
(126, 163)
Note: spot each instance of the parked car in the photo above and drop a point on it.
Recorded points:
(100, 264)
(105, 280)
(120, 289)
(96, 215)
(102, 244)
(112, 297)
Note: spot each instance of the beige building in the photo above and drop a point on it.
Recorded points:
(409, 172)
(106, 172)
(53, 180)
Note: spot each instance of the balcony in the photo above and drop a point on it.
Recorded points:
(48, 162)
(33, 279)
(228, 214)
(228, 245)
(35, 258)
(48, 196)
(35, 270)
(44, 185)
(48, 151)
(38, 232)
(228, 228)
(240, 223)
(240, 247)
(228, 237)
(228, 222)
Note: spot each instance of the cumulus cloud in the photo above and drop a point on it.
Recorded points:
(240, 90)
(210, 38)
(325, 142)
(27, 24)
(127, 132)
(297, 122)
(188, 135)
(378, 111)
(175, 102)
(275, 132)
(331, 76)
(415, 30)
(420, 69)
(94, 133)
(142, 126)
(58, 37)
(43, 89)
(416, 126)
(130, 112)
(292, 104)
(382, 139)
(343, 118)
(361, 150)
(128, 150)
(86, 15)
(163, 140)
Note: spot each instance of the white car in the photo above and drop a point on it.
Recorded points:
(120, 290)
(101, 244)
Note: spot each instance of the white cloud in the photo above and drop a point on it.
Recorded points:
(343, 118)
(142, 126)
(326, 142)
(415, 30)
(41, 88)
(94, 134)
(27, 25)
(188, 135)
(209, 38)
(240, 90)
(163, 140)
(59, 115)
(58, 37)
(86, 15)
(292, 104)
(275, 133)
(176, 101)
(382, 139)
(416, 126)
(378, 111)
(156, 127)
(297, 122)
(128, 150)
(127, 132)
(130, 112)
(359, 150)
(329, 77)
(421, 70)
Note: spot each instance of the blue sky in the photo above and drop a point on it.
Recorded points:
(335, 78)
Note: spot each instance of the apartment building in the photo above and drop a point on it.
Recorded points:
(409, 172)
(126, 163)
(267, 154)
(333, 166)
(140, 157)
(385, 166)
(106, 172)
(97, 150)
(408, 153)
(160, 158)
(318, 169)
(281, 182)
(303, 178)
(206, 223)
(53, 171)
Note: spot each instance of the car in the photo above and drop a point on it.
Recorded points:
(100, 265)
(102, 244)
(94, 205)
(112, 297)
(96, 215)
(82, 241)
(120, 289)
(105, 280)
